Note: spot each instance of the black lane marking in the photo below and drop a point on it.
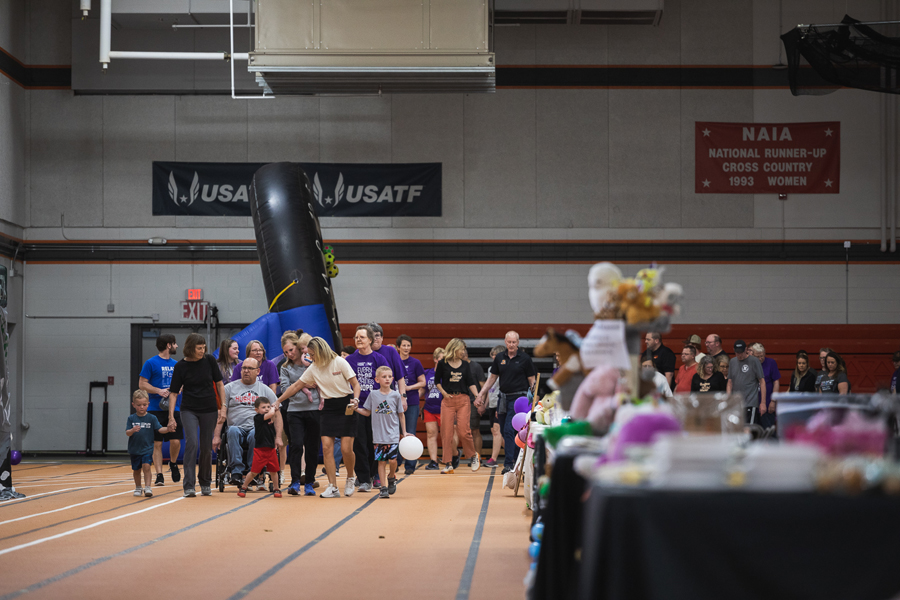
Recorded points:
(98, 561)
(9, 537)
(55, 494)
(465, 582)
(20, 470)
(293, 556)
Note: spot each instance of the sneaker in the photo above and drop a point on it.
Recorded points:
(236, 479)
(242, 493)
(277, 493)
(191, 493)
(9, 494)
(138, 493)
(176, 474)
(409, 472)
(384, 493)
(432, 466)
(392, 485)
(294, 490)
(456, 458)
(490, 462)
(376, 482)
(205, 491)
(159, 479)
(315, 484)
(365, 487)
(505, 470)
(447, 469)
(330, 492)
(308, 490)
(324, 472)
(350, 487)
(148, 492)
(476, 463)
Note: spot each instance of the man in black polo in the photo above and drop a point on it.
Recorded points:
(663, 358)
(516, 373)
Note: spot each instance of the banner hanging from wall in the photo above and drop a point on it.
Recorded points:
(767, 158)
(338, 189)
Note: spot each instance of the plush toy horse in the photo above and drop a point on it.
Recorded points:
(569, 357)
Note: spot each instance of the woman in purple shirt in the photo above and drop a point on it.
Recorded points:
(268, 372)
(414, 375)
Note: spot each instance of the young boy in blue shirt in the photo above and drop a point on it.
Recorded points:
(139, 429)
(385, 406)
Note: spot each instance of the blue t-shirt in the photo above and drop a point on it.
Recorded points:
(158, 372)
(412, 369)
(365, 367)
(141, 443)
(433, 395)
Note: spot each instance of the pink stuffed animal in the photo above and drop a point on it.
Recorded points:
(596, 399)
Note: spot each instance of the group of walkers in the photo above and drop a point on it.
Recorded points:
(311, 394)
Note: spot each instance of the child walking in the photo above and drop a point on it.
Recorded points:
(385, 406)
(267, 430)
(139, 429)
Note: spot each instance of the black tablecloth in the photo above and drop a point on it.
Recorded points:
(636, 544)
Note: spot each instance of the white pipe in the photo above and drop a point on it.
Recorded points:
(205, 26)
(85, 8)
(170, 55)
(105, 31)
(884, 171)
(25, 425)
(238, 56)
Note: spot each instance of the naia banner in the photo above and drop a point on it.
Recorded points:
(338, 189)
(768, 158)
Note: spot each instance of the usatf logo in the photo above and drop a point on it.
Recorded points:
(338, 191)
(366, 193)
(183, 200)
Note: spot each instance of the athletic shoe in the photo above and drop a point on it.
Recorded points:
(456, 458)
(138, 493)
(159, 479)
(148, 492)
(242, 493)
(205, 491)
(476, 463)
(432, 466)
(365, 487)
(392, 485)
(490, 462)
(505, 470)
(384, 493)
(277, 493)
(191, 493)
(376, 482)
(294, 490)
(447, 469)
(315, 484)
(236, 479)
(330, 492)
(176, 474)
(303, 480)
(9, 494)
(350, 487)
(324, 472)
(308, 490)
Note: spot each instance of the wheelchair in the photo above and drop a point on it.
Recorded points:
(223, 476)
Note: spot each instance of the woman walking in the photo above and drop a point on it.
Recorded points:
(337, 383)
(229, 357)
(302, 415)
(199, 379)
(453, 378)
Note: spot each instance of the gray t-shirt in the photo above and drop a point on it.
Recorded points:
(385, 416)
(744, 376)
(241, 398)
(289, 373)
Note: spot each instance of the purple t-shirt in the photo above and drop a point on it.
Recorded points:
(268, 372)
(365, 367)
(390, 354)
(771, 374)
(412, 368)
(433, 395)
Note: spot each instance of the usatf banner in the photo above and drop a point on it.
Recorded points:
(768, 158)
(338, 189)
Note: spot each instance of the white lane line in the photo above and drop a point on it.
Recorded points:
(86, 527)
(86, 487)
(81, 487)
(63, 508)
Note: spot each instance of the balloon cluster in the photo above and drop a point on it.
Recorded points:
(520, 420)
(330, 267)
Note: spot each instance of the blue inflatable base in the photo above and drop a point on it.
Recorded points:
(269, 328)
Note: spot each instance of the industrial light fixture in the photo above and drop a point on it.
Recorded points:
(157, 241)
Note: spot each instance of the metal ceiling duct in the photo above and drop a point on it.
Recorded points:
(373, 47)
(578, 12)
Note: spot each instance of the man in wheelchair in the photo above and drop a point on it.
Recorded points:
(236, 415)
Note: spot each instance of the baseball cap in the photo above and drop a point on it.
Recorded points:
(740, 346)
(694, 339)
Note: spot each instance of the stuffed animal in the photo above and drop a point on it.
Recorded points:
(602, 279)
(566, 346)
(596, 399)
(635, 305)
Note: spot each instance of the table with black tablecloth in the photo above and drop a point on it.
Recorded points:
(654, 544)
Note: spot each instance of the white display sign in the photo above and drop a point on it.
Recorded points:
(604, 345)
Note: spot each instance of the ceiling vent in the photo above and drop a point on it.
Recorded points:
(578, 12)
(373, 47)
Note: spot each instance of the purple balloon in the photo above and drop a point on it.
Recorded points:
(519, 421)
(522, 404)
(15, 457)
(523, 435)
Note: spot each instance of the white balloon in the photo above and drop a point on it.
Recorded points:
(411, 448)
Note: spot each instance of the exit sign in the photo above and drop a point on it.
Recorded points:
(194, 294)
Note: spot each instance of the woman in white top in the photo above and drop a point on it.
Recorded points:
(338, 386)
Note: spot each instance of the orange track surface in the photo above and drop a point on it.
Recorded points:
(257, 545)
